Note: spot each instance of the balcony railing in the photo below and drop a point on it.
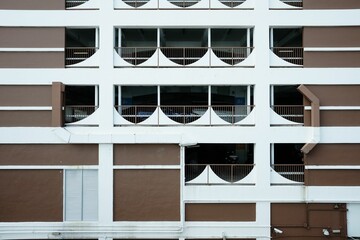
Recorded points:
(74, 3)
(293, 172)
(74, 113)
(294, 113)
(75, 55)
(135, 3)
(294, 55)
(184, 114)
(230, 173)
(184, 3)
(294, 3)
(184, 56)
(232, 3)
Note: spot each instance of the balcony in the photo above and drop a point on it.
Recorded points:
(184, 4)
(293, 172)
(293, 55)
(212, 164)
(74, 3)
(74, 55)
(292, 113)
(82, 4)
(76, 113)
(286, 4)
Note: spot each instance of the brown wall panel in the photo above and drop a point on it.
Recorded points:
(32, 4)
(331, 59)
(32, 59)
(331, 4)
(31, 195)
(25, 118)
(300, 220)
(220, 212)
(25, 95)
(143, 154)
(48, 154)
(331, 37)
(20, 37)
(334, 154)
(340, 118)
(332, 177)
(147, 195)
(336, 95)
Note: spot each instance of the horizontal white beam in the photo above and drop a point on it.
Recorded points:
(332, 49)
(25, 108)
(332, 167)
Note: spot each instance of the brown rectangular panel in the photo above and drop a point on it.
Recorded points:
(32, 4)
(336, 95)
(147, 195)
(220, 212)
(331, 4)
(280, 214)
(340, 118)
(31, 195)
(334, 154)
(25, 118)
(31, 37)
(17, 95)
(32, 59)
(48, 154)
(146, 154)
(331, 59)
(332, 177)
(331, 37)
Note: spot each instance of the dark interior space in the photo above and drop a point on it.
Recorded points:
(138, 37)
(287, 95)
(80, 95)
(288, 153)
(80, 37)
(230, 95)
(183, 37)
(229, 37)
(184, 95)
(287, 37)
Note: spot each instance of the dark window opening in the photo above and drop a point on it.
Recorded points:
(80, 37)
(287, 95)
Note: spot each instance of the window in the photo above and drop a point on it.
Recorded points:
(81, 195)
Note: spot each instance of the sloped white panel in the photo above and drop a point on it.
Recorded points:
(204, 61)
(249, 61)
(215, 61)
(119, 62)
(90, 195)
(165, 62)
(119, 4)
(119, 120)
(249, 4)
(153, 119)
(151, 62)
(215, 179)
(276, 61)
(276, 178)
(249, 179)
(276, 119)
(92, 61)
(165, 120)
(277, 4)
(91, 120)
(216, 120)
(203, 120)
(73, 195)
(202, 178)
(91, 4)
(249, 119)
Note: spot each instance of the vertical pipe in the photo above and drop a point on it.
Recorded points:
(97, 36)
(96, 95)
(209, 103)
(271, 37)
(119, 100)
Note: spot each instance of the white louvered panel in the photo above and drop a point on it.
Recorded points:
(73, 195)
(90, 195)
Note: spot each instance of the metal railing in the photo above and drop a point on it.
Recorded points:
(232, 113)
(228, 172)
(136, 113)
(184, 55)
(184, 114)
(135, 55)
(294, 113)
(293, 172)
(232, 55)
(74, 3)
(74, 113)
(232, 3)
(135, 3)
(184, 3)
(75, 55)
(294, 3)
(294, 55)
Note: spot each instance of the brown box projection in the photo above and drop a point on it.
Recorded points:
(146, 154)
(20, 95)
(334, 154)
(48, 154)
(31, 195)
(32, 59)
(331, 4)
(220, 212)
(25, 118)
(147, 195)
(32, 4)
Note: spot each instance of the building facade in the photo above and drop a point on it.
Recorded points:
(180, 119)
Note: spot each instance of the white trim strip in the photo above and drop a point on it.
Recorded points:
(147, 167)
(47, 167)
(332, 167)
(336, 108)
(16, 108)
(32, 49)
(332, 49)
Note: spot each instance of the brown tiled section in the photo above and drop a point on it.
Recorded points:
(25, 95)
(331, 36)
(32, 59)
(32, 4)
(220, 212)
(340, 118)
(146, 195)
(25, 118)
(331, 4)
(332, 177)
(31, 37)
(31, 195)
(337, 95)
(146, 154)
(334, 154)
(58, 95)
(48, 154)
(300, 220)
(331, 59)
